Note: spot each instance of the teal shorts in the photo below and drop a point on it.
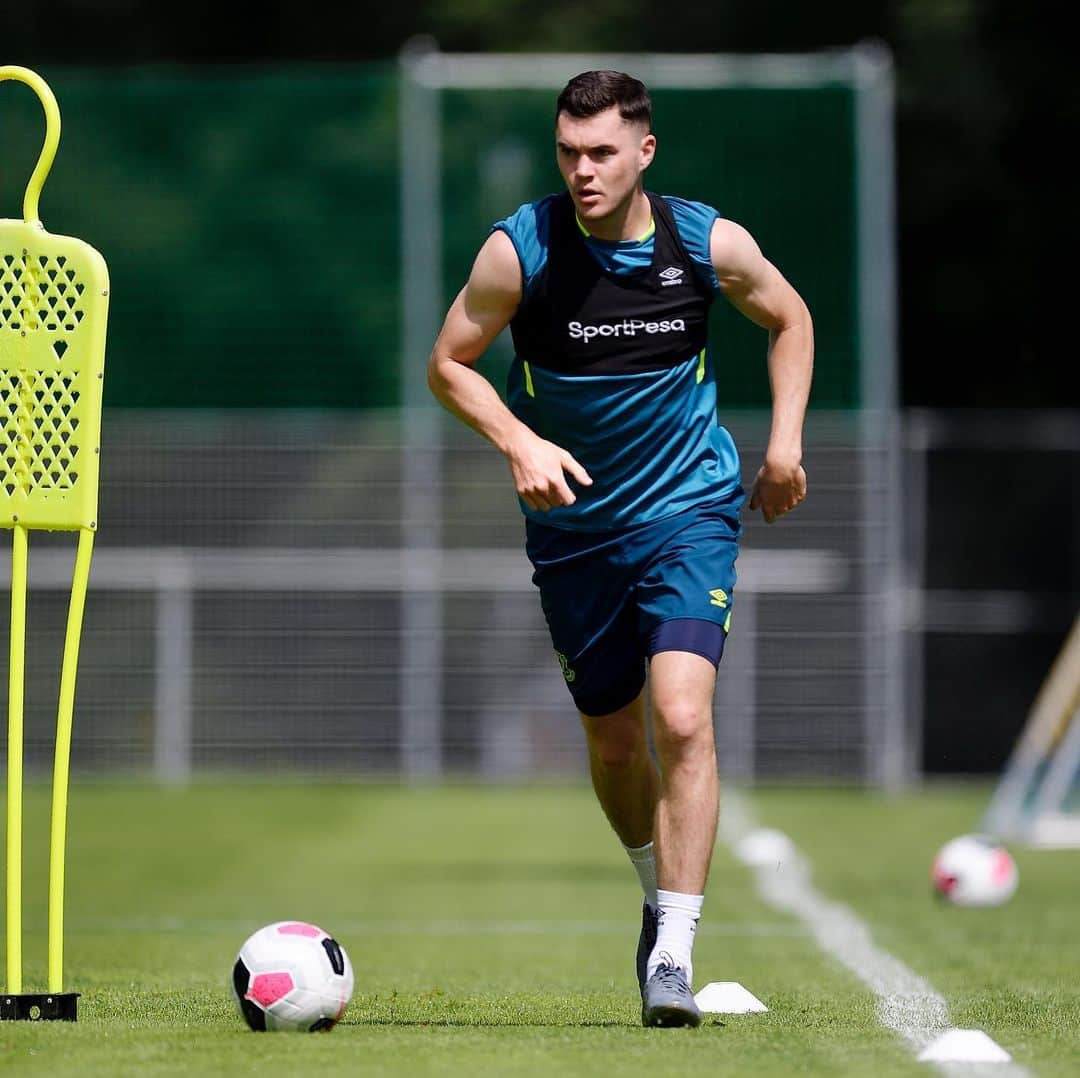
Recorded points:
(612, 600)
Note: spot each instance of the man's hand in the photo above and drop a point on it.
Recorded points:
(778, 488)
(537, 467)
(758, 290)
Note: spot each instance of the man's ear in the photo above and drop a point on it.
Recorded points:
(648, 150)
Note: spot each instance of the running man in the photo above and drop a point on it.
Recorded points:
(630, 489)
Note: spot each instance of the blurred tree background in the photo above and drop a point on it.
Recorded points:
(986, 106)
(986, 101)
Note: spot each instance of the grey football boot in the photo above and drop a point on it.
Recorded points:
(646, 941)
(667, 999)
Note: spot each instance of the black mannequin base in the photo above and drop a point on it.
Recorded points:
(39, 1007)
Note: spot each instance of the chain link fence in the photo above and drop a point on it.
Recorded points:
(247, 596)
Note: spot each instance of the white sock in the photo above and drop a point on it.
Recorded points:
(644, 863)
(675, 934)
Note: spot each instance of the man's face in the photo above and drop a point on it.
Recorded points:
(601, 158)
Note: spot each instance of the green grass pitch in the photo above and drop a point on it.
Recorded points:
(492, 931)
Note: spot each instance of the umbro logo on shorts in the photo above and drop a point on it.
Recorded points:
(671, 275)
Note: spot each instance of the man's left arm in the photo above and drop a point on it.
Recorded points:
(759, 291)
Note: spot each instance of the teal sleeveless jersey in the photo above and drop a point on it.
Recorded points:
(612, 363)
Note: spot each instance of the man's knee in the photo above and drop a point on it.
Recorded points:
(682, 692)
(617, 740)
(619, 753)
(682, 728)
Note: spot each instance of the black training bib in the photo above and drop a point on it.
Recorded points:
(582, 320)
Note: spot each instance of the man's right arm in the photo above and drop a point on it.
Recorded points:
(481, 311)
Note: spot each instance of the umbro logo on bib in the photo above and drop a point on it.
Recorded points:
(671, 275)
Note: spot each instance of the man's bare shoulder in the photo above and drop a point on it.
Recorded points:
(496, 272)
(734, 252)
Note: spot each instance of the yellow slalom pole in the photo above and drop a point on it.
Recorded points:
(15, 761)
(58, 837)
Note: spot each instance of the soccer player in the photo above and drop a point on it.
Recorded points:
(630, 489)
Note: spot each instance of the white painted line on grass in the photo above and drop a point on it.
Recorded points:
(907, 1004)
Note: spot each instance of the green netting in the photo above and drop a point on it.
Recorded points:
(251, 219)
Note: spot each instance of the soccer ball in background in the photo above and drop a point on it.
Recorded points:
(974, 870)
(292, 976)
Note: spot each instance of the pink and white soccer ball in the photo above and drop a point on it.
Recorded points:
(975, 870)
(291, 975)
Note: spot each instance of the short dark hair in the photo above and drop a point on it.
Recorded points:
(593, 92)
